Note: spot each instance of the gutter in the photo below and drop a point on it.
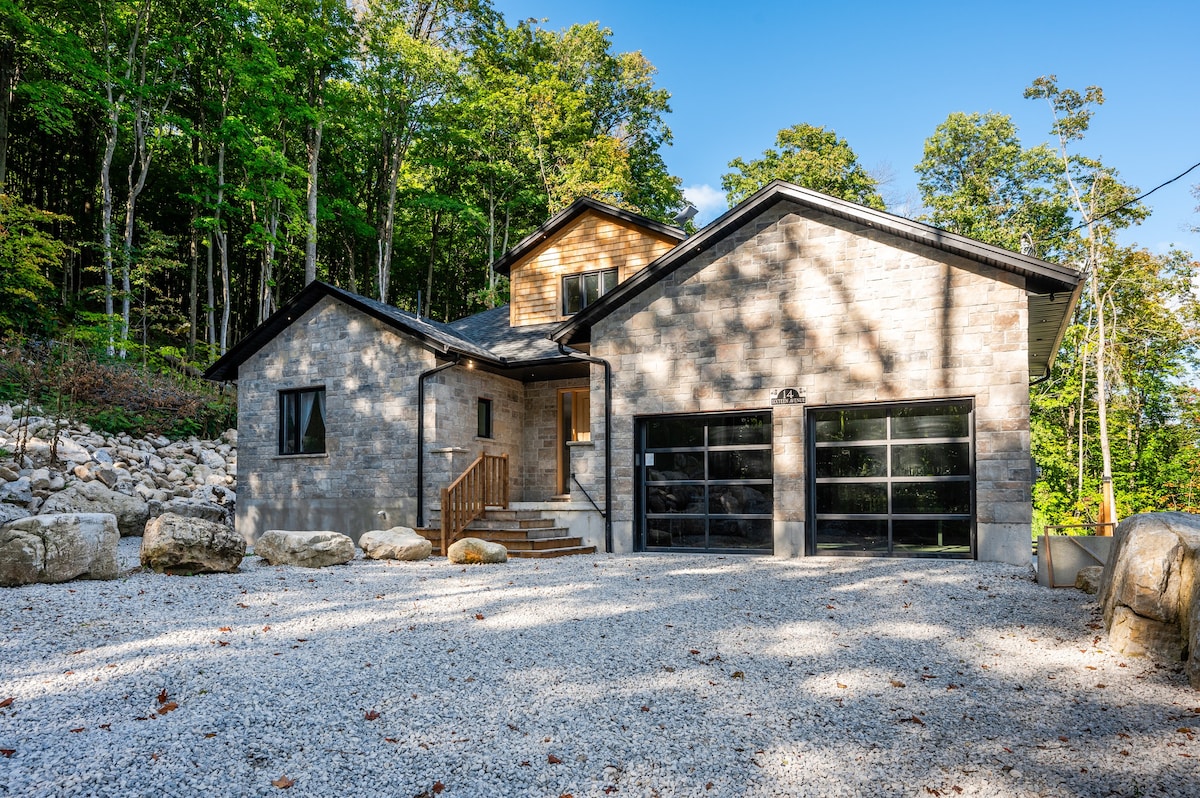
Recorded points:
(608, 530)
(421, 436)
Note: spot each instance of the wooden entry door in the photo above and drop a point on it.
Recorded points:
(574, 424)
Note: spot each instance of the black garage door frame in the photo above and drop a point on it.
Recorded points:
(861, 504)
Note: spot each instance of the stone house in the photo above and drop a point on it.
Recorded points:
(803, 376)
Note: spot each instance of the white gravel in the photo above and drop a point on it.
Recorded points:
(645, 675)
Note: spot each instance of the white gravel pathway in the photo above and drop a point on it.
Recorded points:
(643, 675)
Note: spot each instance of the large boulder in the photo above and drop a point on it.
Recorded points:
(1150, 590)
(308, 549)
(473, 551)
(58, 548)
(93, 497)
(397, 543)
(191, 508)
(175, 544)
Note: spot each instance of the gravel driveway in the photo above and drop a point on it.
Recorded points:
(644, 675)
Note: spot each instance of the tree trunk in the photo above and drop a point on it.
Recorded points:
(433, 236)
(384, 266)
(310, 244)
(8, 82)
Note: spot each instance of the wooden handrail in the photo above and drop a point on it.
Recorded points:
(483, 484)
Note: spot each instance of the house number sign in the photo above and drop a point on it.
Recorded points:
(788, 396)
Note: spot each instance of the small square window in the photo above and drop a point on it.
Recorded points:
(302, 421)
(485, 418)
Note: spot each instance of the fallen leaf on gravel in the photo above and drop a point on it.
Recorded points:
(693, 651)
(283, 782)
(370, 715)
(168, 707)
(162, 697)
(1063, 738)
(609, 790)
(438, 787)
(210, 735)
(266, 628)
(6, 702)
(1102, 685)
(553, 760)
(842, 686)
(1183, 730)
(709, 785)
(896, 683)
(479, 616)
(246, 607)
(7, 753)
(738, 675)
(77, 731)
(390, 740)
(567, 795)
(645, 708)
(78, 651)
(226, 628)
(914, 719)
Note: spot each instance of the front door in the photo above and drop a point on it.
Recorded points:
(705, 482)
(574, 424)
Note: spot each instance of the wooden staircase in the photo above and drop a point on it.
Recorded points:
(525, 533)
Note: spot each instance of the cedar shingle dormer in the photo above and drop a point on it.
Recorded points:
(589, 236)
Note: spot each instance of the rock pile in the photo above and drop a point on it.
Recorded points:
(135, 479)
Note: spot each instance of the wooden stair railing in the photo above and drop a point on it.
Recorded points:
(483, 484)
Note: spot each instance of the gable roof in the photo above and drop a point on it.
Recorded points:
(1054, 288)
(512, 350)
(560, 220)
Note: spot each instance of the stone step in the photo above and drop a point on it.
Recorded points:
(519, 523)
(546, 553)
(520, 543)
(434, 534)
(541, 544)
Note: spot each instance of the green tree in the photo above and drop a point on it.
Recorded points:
(977, 180)
(1104, 204)
(27, 253)
(808, 156)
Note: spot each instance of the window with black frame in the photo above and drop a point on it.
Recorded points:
(581, 290)
(302, 421)
(892, 480)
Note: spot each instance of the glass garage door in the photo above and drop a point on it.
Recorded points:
(892, 480)
(705, 483)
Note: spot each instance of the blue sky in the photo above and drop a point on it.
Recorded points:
(884, 75)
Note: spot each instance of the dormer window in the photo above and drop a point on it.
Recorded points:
(581, 290)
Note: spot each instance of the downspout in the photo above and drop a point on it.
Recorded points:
(608, 538)
(421, 437)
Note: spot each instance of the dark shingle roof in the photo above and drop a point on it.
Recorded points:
(485, 337)
(491, 330)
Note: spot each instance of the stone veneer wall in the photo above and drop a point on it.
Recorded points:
(366, 479)
(451, 417)
(799, 299)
